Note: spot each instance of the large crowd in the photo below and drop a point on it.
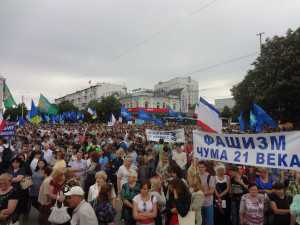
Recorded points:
(89, 174)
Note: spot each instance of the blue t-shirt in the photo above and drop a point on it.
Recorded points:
(264, 186)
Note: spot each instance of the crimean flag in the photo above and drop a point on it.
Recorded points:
(208, 117)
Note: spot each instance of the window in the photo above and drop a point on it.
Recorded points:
(157, 105)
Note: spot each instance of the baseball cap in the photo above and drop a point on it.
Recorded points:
(76, 190)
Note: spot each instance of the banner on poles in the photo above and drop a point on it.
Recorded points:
(9, 129)
(168, 136)
(274, 150)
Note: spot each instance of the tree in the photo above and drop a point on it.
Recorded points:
(67, 106)
(105, 108)
(109, 105)
(226, 112)
(14, 113)
(274, 82)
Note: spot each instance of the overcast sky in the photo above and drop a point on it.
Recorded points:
(56, 46)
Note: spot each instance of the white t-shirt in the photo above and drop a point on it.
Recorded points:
(180, 158)
(123, 173)
(144, 206)
(94, 192)
(48, 154)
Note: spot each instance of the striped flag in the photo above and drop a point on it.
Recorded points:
(208, 117)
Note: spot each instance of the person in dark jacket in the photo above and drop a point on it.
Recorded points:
(6, 155)
(179, 201)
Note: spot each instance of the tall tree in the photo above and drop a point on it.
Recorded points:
(274, 82)
(14, 113)
(226, 112)
(105, 108)
(67, 106)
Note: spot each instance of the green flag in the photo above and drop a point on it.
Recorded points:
(8, 99)
(46, 107)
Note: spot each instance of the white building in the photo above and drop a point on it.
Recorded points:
(148, 100)
(183, 87)
(221, 103)
(81, 98)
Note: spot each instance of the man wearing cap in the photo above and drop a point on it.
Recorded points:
(83, 213)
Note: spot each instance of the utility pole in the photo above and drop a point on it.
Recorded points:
(260, 34)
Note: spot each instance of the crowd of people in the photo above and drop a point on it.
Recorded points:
(100, 172)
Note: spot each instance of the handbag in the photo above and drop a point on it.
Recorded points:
(59, 215)
(189, 219)
(25, 183)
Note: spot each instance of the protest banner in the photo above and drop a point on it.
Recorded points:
(273, 150)
(168, 136)
(9, 129)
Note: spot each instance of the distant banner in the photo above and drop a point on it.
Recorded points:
(9, 129)
(167, 136)
(274, 150)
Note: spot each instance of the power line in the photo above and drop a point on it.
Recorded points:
(153, 35)
(203, 69)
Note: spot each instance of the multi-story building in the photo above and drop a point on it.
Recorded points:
(148, 100)
(221, 103)
(81, 98)
(184, 87)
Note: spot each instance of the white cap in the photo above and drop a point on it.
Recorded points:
(76, 190)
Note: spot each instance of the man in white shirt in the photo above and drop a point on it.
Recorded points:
(79, 166)
(48, 154)
(179, 156)
(83, 213)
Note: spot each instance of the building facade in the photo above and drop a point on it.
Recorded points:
(222, 102)
(148, 100)
(184, 87)
(81, 98)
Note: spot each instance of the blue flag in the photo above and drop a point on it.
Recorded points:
(241, 122)
(21, 121)
(33, 111)
(172, 113)
(263, 118)
(142, 115)
(158, 122)
(125, 114)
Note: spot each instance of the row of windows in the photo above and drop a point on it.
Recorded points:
(158, 105)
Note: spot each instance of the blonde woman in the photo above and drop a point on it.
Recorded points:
(193, 172)
(101, 180)
(197, 198)
(50, 191)
(158, 193)
(222, 199)
(8, 199)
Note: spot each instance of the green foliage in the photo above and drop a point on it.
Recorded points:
(104, 109)
(67, 106)
(274, 82)
(226, 112)
(14, 113)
